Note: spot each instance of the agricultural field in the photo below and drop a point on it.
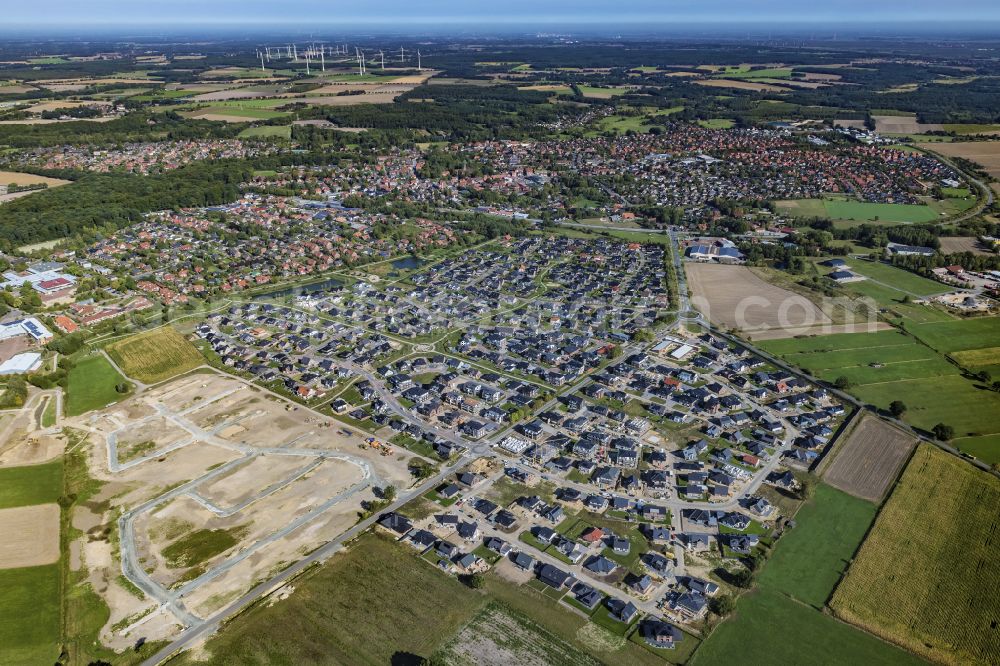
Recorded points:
(954, 244)
(91, 385)
(888, 365)
(933, 534)
(735, 297)
(30, 629)
(20, 179)
(972, 128)
(30, 484)
(156, 355)
(793, 585)
(866, 465)
(426, 609)
(740, 85)
(985, 153)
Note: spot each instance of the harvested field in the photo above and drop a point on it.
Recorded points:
(955, 244)
(779, 334)
(31, 536)
(497, 637)
(869, 461)
(985, 153)
(18, 178)
(735, 297)
(741, 85)
(903, 125)
(927, 577)
(156, 355)
(856, 124)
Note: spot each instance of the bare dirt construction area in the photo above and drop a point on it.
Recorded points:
(956, 244)
(903, 125)
(985, 153)
(33, 449)
(736, 298)
(214, 484)
(867, 464)
(31, 536)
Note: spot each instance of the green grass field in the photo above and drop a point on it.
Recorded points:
(897, 278)
(30, 629)
(378, 603)
(377, 578)
(852, 355)
(772, 627)
(933, 390)
(201, 545)
(249, 113)
(155, 355)
(267, 131)
(747, 73)
(810, 559)
(927, 576)
(858, 211)
(91, 385)
(972, 128)
(960, 335)
(716, 123)
(30, 484)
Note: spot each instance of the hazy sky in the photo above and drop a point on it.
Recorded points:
(527, 12)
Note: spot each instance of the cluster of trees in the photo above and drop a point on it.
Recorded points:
(117, 199)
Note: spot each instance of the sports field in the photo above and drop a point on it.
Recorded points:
(927, 577)
(91, 385)
(799, 576)
(156, 355)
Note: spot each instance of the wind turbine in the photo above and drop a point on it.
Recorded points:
(261, 54)
(419, 68)
(307, 63)
(381, 57)
(402, 52)
(322, 58)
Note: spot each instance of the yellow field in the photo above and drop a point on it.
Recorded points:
(156, 355)
(928, 577)
(974, 358)
(19, 179)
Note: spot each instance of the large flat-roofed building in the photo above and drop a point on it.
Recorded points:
(20, 364)
(28, 326)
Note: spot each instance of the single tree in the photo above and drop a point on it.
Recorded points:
(943, 432)
(842, 382)
(897, 408)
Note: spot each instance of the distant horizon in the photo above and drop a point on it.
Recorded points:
(987, 29)
(918, 17)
